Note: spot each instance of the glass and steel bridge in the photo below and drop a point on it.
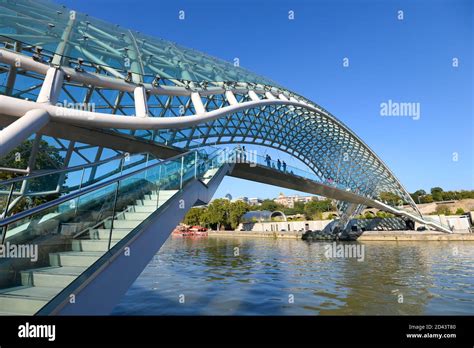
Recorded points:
(107, 133)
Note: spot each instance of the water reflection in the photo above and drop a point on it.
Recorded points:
(251, 276)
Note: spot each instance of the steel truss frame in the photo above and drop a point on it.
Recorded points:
(159, 92)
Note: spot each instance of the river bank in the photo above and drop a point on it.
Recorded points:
(366, 236)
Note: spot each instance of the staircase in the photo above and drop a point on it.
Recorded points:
(40, 285)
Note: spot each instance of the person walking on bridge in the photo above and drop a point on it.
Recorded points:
(284, 166)
(279, 164)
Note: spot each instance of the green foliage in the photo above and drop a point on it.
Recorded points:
(437, 194)
(426, 199)
(219, 213)
(459, 211)
(443, 210)
(383, 214)
(47, 157)
(417, 195)
(269, 205)
(390, 198)
(195, 216)
(313, 210)
(299, 208)
(237, 209)
(368, 215)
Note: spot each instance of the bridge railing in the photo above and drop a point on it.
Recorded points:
(57, 226)
(26, 192)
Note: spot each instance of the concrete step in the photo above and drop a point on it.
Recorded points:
(93, 244)
(136, 216)
(150, 202)
(25, 300)
(74, 258)
(103, 233)
(209, 175)
(123, 224)
(51, 276)
(163, 193)
(160, 196)
(143, 208)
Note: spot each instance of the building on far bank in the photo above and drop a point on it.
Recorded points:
(242, 199)
(255, 201)
(289, 201)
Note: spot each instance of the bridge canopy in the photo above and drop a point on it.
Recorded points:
(132, 85)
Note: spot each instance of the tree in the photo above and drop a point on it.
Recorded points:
(427, 199)
(47, 157)
(270, 205)
(195, 216)
(217, 213)
(237, 209)
(443, 210)
(298, 208)
(437, 193)
(420, 192)
(390, 198)
(417, 195)
(436, 189)
(314, 209)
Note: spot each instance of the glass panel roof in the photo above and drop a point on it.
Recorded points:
(45, 24)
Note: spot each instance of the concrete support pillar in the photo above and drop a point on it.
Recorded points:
(18, 131)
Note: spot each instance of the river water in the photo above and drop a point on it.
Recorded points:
(264, 276)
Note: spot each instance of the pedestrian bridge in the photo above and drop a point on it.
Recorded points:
(110, 136)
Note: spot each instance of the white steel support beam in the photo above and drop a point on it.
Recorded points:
(270, 96)
(231, 98)
(253, 96)
(282, 96)
(51, 87)
(197, 103)
(18, 131)
(141, 105)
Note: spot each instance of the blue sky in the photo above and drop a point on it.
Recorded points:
(407, 60)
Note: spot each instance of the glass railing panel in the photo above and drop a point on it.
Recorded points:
(6, 195)
(50, 186)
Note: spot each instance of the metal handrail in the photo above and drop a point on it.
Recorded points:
(58, 171)
(89, 189)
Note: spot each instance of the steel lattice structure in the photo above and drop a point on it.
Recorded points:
(158, 92)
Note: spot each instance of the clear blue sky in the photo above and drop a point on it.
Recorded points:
(405, 61)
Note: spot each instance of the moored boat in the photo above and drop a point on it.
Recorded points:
(190, 231)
